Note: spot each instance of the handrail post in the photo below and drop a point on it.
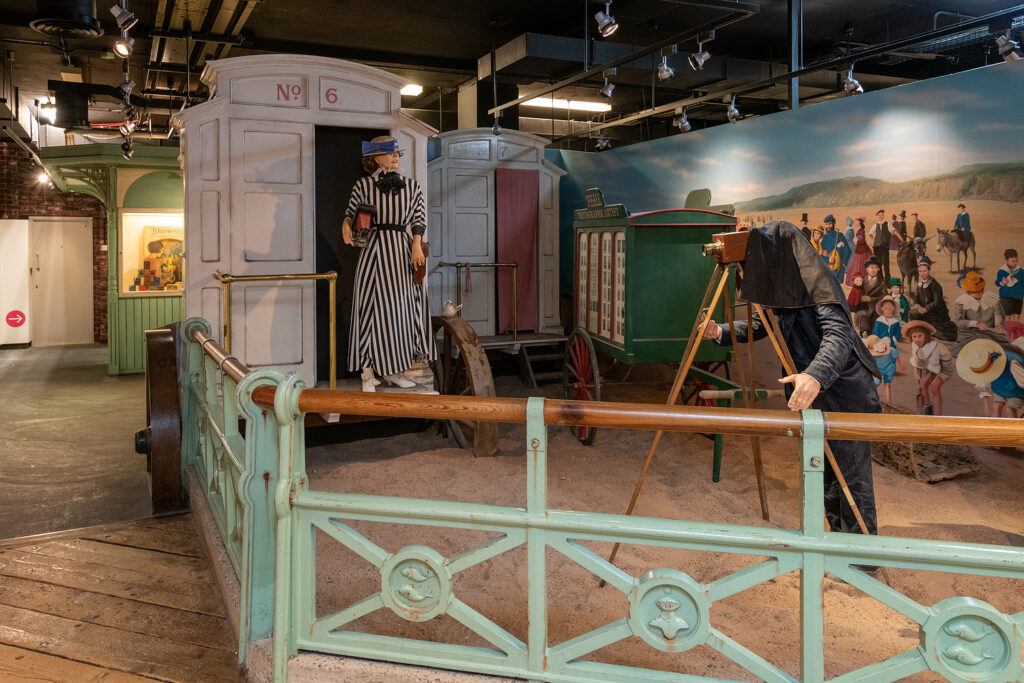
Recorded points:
(812, 496)
(332, 304)
(536, 539)
(515, 302)
(259, 478)
(292, 479)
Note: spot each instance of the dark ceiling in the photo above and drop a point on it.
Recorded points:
(438, 45)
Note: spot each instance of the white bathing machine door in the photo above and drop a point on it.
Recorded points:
(272, 233)
(471, 239)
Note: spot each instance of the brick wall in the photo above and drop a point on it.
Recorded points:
(22, 196)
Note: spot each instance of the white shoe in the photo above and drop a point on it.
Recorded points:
(369, 381)
(400, 380)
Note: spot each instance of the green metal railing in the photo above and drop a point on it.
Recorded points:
(278, 518)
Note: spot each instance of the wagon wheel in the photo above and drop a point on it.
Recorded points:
(581, 378)
(462, 369)
(160, 441)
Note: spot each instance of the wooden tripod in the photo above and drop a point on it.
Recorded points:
(717, 284)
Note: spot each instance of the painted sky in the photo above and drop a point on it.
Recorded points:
(897, 134)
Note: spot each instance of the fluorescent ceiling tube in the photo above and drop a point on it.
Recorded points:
(411, 89)
(576, 105)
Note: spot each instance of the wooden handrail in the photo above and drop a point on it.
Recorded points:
(697, 419)
(841, 426)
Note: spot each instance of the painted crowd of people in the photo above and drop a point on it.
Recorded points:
(978, 335)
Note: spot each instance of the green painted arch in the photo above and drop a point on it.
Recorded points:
(156, 190)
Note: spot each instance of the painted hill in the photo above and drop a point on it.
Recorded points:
(1003, 182)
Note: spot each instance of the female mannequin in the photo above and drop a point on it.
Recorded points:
(389, 329)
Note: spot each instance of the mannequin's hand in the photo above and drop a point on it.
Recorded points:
(805, 390)
(346, 233)
(417, 259)
(712, 331)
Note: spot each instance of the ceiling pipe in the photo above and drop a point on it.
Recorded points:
(773, 80)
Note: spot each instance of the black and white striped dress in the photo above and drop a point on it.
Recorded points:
(390, 329)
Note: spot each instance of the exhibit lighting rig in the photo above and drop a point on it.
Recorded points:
(606, 24)
(1009, 49)
(851, 85)
(732, 113)
(682, 123)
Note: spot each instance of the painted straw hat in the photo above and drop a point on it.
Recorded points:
(907, 328)
(973, 282)
(980, 361)
(878, 304)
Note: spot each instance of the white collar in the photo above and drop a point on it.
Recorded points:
(925, 283)
(928, 349)
(888, 321)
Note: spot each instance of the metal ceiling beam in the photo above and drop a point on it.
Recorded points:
(741, 11)
(394, 60)
(200, 37)
(845, 60)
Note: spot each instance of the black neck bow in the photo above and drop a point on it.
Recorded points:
(390, 182)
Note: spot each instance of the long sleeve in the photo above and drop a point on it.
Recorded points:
(419, 211)
(740, 334)
(836, 345)
(960, 316)
(355, 199)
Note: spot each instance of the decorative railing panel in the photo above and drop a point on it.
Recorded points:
(961, 638)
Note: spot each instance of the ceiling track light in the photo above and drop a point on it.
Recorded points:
(1009, 49)
(606, 24)
(698, 58)
(732, 113)
(126, 88)
(665, 72)
(125, 19)
(602, 143)
(851, 85)
(682, 123)
(607, 89)
(123, 46)
(496, 129)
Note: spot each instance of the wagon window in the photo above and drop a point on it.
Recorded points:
(606, 285)
(581, 282)
(619, 298)
(593, 285)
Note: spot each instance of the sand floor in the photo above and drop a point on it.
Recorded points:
(986, 507)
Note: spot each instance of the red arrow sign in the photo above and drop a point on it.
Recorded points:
(15, 318)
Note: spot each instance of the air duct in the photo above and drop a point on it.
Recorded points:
(67, 18)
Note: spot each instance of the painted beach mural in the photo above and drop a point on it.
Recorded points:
(906, 157)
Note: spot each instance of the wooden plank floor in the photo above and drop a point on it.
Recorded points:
(132, 602)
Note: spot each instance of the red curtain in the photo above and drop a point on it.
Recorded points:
(516, 209)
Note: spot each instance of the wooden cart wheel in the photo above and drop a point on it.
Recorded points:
(160, 441)
(581, 378)
(462, 369)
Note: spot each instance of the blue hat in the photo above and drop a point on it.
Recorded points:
(925, 261)
(384, 147)
(830, 218)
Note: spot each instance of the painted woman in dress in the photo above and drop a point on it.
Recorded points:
(389, 330)
(861, 252)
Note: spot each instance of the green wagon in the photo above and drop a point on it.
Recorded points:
(638, 282)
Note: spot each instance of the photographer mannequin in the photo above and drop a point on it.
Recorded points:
(834, 371)
(389, 330)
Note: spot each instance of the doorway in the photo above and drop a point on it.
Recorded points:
(338, 166)
(60, 281)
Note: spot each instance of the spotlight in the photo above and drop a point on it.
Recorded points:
(698, 58)
(606, 23)
(665, 72)
(496, 129)
(123, 46)
(682, 123)
(602, 143)
(125, 19)
(606, 89)
(43, 177)
(126, 128)
(126, 149)
(1009, 49)
(127, 87)
(732, 113)
(851, 85)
